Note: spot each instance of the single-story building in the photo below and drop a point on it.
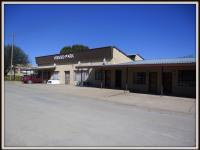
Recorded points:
(20, 70)
(109, 67)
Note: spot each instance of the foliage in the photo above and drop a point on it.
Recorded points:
(79, 48)
(74, 48)
(17, 78)
(19, 57)
(187, 56)
(66, 49)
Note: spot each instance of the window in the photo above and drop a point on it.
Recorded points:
(55, 75)
(85, 74)
(98, 75)
(186, 78)
(139, 78)
(77, 76)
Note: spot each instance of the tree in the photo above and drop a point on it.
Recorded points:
(79, 48)
(19, 57)
(66, 49)
(73, 48)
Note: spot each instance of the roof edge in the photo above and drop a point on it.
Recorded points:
(76, 52)
(120, 50)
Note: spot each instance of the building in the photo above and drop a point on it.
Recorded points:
(63, 66)
(109, 67)
(21, 70)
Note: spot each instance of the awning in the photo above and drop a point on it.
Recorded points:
(148, 63)
(134, 65)
(44, 67)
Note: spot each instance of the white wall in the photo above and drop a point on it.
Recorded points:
(119, 57)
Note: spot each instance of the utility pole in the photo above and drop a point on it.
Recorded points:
(11, 58)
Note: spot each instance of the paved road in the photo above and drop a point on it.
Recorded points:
(41, 116)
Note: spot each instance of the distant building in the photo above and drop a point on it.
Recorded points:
(21, 70)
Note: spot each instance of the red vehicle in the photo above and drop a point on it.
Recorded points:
(33, 79)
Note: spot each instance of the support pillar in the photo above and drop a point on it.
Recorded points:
(42, 75)
(81, 78)
(161, 81)
(126, 78)
(101, 78)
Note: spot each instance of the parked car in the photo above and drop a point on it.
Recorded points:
(53, 81)
(33, 79)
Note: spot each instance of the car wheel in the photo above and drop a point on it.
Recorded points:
(29, 81)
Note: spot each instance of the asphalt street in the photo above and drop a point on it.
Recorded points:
(41, 116)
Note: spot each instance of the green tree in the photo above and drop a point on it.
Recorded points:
(66, 49)
(73, 48)
(79, 48)
(19, 57)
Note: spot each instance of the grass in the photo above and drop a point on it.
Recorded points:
(17, 78)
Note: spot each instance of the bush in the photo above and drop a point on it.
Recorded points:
(17, 78)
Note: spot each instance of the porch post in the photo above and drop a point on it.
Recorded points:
(161, 81)
(42, 75)
(81, 78)
(126, 78)
(101, 78)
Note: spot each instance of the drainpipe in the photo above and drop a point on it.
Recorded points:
(161, 77)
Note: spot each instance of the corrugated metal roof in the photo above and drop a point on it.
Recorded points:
(148, 62)
(161, 61)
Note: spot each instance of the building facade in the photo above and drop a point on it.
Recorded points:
(109, 67)
(64, 67)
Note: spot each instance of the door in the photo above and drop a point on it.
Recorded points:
(107, 78)
(67, 77)
(118, 79)
(153, 82)
(167, 82)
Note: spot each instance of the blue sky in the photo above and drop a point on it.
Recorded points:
(153, 31)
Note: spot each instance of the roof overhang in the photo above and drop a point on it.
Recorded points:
(136, 65)
(44, 68)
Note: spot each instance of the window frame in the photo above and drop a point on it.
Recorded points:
(98, 75)
(186, 78)
(85, 75)
(55, 73)
(139, 78)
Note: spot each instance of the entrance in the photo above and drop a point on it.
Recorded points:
(67, 77)
(118, 79)
(107, 78)
(167, 82)
(153, 82)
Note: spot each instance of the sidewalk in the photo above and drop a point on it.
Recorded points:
(166, 103)
(148, 101)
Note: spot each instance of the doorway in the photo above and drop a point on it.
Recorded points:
(118, 79)
(153, 82)
(167, 82)
(67, 77)
(107, 78)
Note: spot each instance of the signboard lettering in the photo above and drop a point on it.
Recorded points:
(63, 56)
